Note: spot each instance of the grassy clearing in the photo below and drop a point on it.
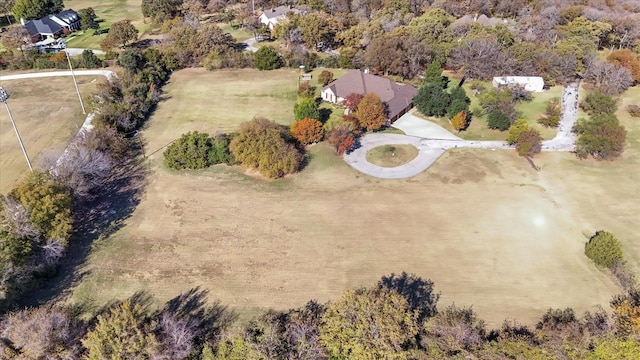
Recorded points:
(236, 31)
(47, 114)
(392, 155)
(110, 11)
(483, 225)
(197, 99)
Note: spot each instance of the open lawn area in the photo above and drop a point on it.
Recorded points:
(483, 225)
(109, 11)
(47, 114)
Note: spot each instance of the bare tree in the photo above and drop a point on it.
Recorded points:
(16, 37)
(42, 333)
(177, 335)
(609, 78)
(83, 167)
(15, 219)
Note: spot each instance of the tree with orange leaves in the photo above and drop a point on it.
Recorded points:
(307, 131)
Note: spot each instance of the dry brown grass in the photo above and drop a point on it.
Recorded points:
(392, 155)
(47, 114)
(483, 225)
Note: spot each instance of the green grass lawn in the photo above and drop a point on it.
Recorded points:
(109, 11)
(478, 129)
(236, 31)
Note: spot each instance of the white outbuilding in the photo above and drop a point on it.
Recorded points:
(530, 83)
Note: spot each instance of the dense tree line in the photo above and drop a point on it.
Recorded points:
(39, 215)
(396, 318)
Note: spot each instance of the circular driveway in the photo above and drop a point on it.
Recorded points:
(432, 141)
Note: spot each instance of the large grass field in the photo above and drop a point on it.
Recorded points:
(483, 225)
(47, 114)
(110, 11)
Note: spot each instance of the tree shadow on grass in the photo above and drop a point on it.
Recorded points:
(95, 218)
(418, 292)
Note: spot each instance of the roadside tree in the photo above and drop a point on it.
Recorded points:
(599, 103)
(90, 60)
(267, 58)
(307, 131)
(460, 121)
(432, 100)
(371, 112)
(496, 119)
(341, 137)
(48, 203)
(602, 137)
(529, 143)
(551, 116)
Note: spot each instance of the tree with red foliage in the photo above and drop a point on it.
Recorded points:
(307, 131)
(341, 138)
(371, 112)
(352, 101)
(353, 122)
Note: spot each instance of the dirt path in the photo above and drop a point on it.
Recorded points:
(431, 148)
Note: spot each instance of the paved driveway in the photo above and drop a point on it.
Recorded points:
(415, 126)
(432, 140)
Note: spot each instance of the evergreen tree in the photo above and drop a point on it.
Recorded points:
(433, 75)
(431, 100)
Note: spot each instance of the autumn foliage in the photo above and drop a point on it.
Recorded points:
(627, 59)
(371, 112)
(459, 121)
(341, 138)
(352, 101)
(307, 131)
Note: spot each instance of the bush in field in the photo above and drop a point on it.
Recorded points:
(195, 150)
(602, 137)
(551, 116)
(604, 249)
(633, 110)
(268, 147)
(498, 120)
(267, 58)
(307, 131)
(190, 151)
(599, 103)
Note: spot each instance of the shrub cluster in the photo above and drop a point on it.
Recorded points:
(195, 150)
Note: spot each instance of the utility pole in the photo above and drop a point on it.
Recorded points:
(63, 46)
(4, 95)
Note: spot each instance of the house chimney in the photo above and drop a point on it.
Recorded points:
(475, 17)
(22, 21)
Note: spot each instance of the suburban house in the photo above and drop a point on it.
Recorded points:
(530, 83)
(52, 27)
(398, 98)
(270, 17)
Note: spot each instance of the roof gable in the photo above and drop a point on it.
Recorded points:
(396, 96)
(276, 12)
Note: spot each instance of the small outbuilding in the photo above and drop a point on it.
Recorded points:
(530, 83)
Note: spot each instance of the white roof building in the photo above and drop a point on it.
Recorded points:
(530, 83)
(270, 17)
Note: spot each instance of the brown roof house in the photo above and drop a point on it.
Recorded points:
(398, 98)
